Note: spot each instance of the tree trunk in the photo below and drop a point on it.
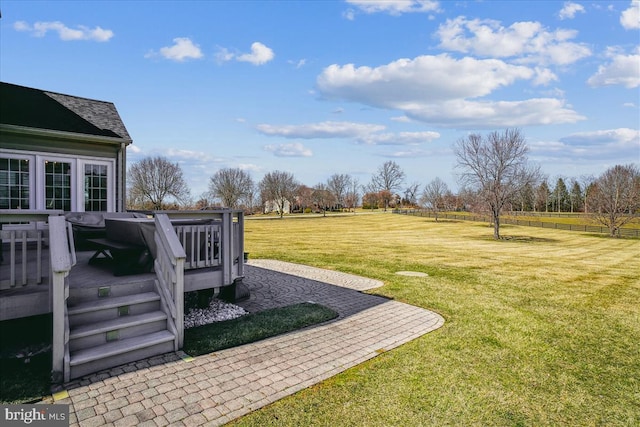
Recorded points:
(496, 225)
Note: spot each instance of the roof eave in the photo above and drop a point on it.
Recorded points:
(57, 134)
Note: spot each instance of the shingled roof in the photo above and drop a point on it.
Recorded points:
(35, 108)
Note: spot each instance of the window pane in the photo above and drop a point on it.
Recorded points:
(57, 185)
(14, 183)
(95, 187)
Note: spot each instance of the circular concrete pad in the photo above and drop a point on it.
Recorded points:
(412, 273)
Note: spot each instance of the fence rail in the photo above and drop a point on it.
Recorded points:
(623, 232)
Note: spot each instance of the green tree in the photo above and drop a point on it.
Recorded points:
(560, 196)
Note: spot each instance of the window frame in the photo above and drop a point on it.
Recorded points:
(37, 177)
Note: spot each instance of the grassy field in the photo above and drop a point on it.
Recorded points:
(542, 328)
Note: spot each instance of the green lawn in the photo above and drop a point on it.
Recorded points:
(541, 328)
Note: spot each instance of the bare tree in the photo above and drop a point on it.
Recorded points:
(339, 184)
(153, 179)
(323, 197)
(352, 197)
(232, 186)
(615, 198)
(388, 179)
(497, 167)
(433, 196)
(278, 188)
(304, 197)
(411, 193)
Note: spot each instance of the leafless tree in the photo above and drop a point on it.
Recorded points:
(232, 186)
(339, 184)
(352, 196)
(616, 197)
(153, 179)
(497, 167)
(279, 188)
(411, 193)
(433, 196)
(323, 197)
(388, 178)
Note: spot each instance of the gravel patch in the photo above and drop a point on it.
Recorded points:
(217, 311)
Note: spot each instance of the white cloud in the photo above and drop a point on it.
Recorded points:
(251, 167)
(180, 155)
(630, 18)
(295, 149)
(320, 130)
(400, 138)
(621, 143)
(182, 49)
(393, 7)
(446, 91)
(406, 82)
(491, 114)
(260, 54)
(525, 42)
(298, 64)
(622, 70)
(40, 29)
(569, 10)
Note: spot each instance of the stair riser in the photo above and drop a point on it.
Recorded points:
(120, 359)
(123, 333)
(111, 313)
(77, 295)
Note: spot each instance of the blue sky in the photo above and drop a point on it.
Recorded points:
(323, 87)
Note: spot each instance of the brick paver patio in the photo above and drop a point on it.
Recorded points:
(216, 388)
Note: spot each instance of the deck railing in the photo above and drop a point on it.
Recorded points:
(24, 236)
(227, 247)
(169, 267)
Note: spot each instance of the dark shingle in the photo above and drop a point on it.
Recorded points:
(23, 106)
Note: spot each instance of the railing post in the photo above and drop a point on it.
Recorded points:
(226, 248)
(60, 267)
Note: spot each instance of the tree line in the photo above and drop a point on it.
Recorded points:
(493, 170)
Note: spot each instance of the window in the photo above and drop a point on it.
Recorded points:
(14, 183)
(57, 186)
(95, 187)
(34, 180)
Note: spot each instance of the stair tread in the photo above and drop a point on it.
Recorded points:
(118, 347)
(112, 302)
(117, 323)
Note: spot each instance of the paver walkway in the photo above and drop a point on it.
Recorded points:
(216, 388)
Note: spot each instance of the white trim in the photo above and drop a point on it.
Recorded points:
(37, 176)
(40, 189)
(111, 193)
(32, 174)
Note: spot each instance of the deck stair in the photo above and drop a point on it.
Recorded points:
(114, 325)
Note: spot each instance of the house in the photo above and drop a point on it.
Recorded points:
(60, 152)
(62, 168)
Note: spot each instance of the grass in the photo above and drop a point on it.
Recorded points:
(541, 328)
(24, 378)
(254, 327)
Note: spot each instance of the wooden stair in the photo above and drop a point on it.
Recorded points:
(114, 325)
